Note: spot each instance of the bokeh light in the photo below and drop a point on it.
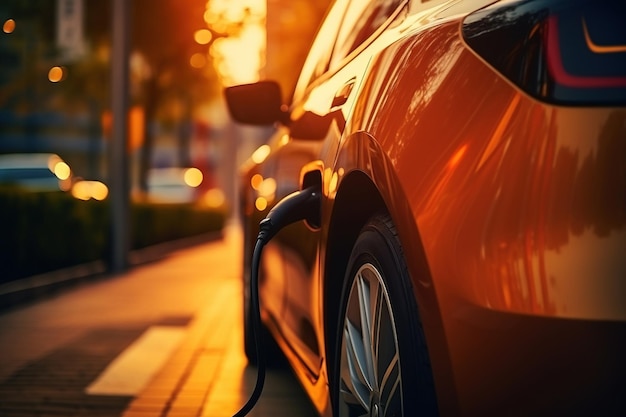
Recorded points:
(260, 203)
(260, 154)
(86, 190)
(267, 188)
(62, 170)
(198, 60)
(193, 177)
(256, 181)
(8, 26)
(214, 198)
(203, 36)
(56, 74)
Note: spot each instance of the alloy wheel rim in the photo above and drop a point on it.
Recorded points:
(370, 377)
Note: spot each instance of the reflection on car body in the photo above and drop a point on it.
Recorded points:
(470, 257)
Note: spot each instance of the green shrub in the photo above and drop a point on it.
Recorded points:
(41, 232)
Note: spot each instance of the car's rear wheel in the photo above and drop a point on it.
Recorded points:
(382, 366)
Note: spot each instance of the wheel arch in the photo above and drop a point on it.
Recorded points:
(357, 199)
(356, 190)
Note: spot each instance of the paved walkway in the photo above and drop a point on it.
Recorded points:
(207, 373)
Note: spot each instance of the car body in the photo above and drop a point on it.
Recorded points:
(472, 175)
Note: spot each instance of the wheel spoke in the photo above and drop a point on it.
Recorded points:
(376, 338)
(366, 311)
(370, 361)
(390, 394)
(355, 375)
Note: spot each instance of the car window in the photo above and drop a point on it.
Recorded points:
(318, 58)
(361, 20)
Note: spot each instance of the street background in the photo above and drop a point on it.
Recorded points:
(123, 98)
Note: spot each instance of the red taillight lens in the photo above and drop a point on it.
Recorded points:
(567, 52)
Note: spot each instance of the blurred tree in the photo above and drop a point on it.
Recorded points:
(169, 82)
(165, 81)
(22, 49)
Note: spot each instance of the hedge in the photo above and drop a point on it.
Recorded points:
(41, 232)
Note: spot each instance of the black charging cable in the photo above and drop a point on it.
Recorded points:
(300, 205)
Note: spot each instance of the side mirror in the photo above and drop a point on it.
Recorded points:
(258, 103)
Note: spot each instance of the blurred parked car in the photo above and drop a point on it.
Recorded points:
(470, 254)
(174, 184)
(36, 171)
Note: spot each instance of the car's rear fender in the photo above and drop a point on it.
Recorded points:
(368, 187)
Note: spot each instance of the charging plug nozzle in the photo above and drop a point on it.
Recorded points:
(300, 205)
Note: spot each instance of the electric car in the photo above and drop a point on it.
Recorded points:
(468, 257)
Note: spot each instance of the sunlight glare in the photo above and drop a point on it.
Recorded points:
(238, 53)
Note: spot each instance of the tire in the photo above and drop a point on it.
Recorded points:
(385, 372)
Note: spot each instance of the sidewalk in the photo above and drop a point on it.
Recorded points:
(15, 293)
(208, 374)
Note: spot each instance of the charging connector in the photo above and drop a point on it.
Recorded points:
(300, 205)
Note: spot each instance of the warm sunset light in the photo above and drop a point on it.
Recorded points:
(9, 26)
(239, 59)
(193, 177)
(238, 55)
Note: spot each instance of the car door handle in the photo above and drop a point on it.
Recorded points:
(342, 95)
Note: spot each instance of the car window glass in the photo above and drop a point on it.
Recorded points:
(362, 19)
(317, 60)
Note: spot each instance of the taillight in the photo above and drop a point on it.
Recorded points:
(560, 51)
